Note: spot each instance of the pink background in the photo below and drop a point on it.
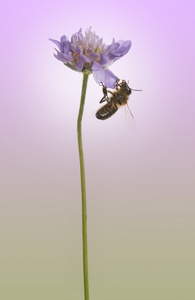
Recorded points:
(140, 183)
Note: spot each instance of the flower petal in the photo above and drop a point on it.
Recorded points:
(63, 57)
(110, 79)
(57, 43)
(60, 57)
(66, 47)
(63, 39)
(98, 73)
(104, 75)
(93, 56)
(80, 65)
(85, 58)
(123, 49)
(119, 52)
(103, 59)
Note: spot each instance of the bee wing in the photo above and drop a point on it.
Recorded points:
(129, 117)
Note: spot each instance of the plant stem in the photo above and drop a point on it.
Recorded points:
(83, 190)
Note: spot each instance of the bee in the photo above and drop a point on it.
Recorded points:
(119, 97)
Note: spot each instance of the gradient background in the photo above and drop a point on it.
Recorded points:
(140, 183)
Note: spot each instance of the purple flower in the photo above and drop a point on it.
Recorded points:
(90, 55)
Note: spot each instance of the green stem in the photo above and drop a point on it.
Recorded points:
(83, 190)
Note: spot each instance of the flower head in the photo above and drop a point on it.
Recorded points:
(89, 54)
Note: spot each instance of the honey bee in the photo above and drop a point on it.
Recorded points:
(119, 97)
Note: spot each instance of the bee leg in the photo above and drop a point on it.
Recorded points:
(104, 89)
(117, 85)
(111, 93)
(105, 98)
(109, 101)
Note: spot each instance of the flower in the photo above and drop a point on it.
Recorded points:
(89, 54)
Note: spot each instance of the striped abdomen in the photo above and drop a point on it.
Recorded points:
(106, 111)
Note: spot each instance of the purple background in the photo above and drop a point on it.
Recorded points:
(140, 183)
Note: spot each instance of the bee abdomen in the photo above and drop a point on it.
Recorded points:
(106, 111)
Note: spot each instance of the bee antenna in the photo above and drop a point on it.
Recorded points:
(136, 90)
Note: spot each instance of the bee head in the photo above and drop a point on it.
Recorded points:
(124, 86)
